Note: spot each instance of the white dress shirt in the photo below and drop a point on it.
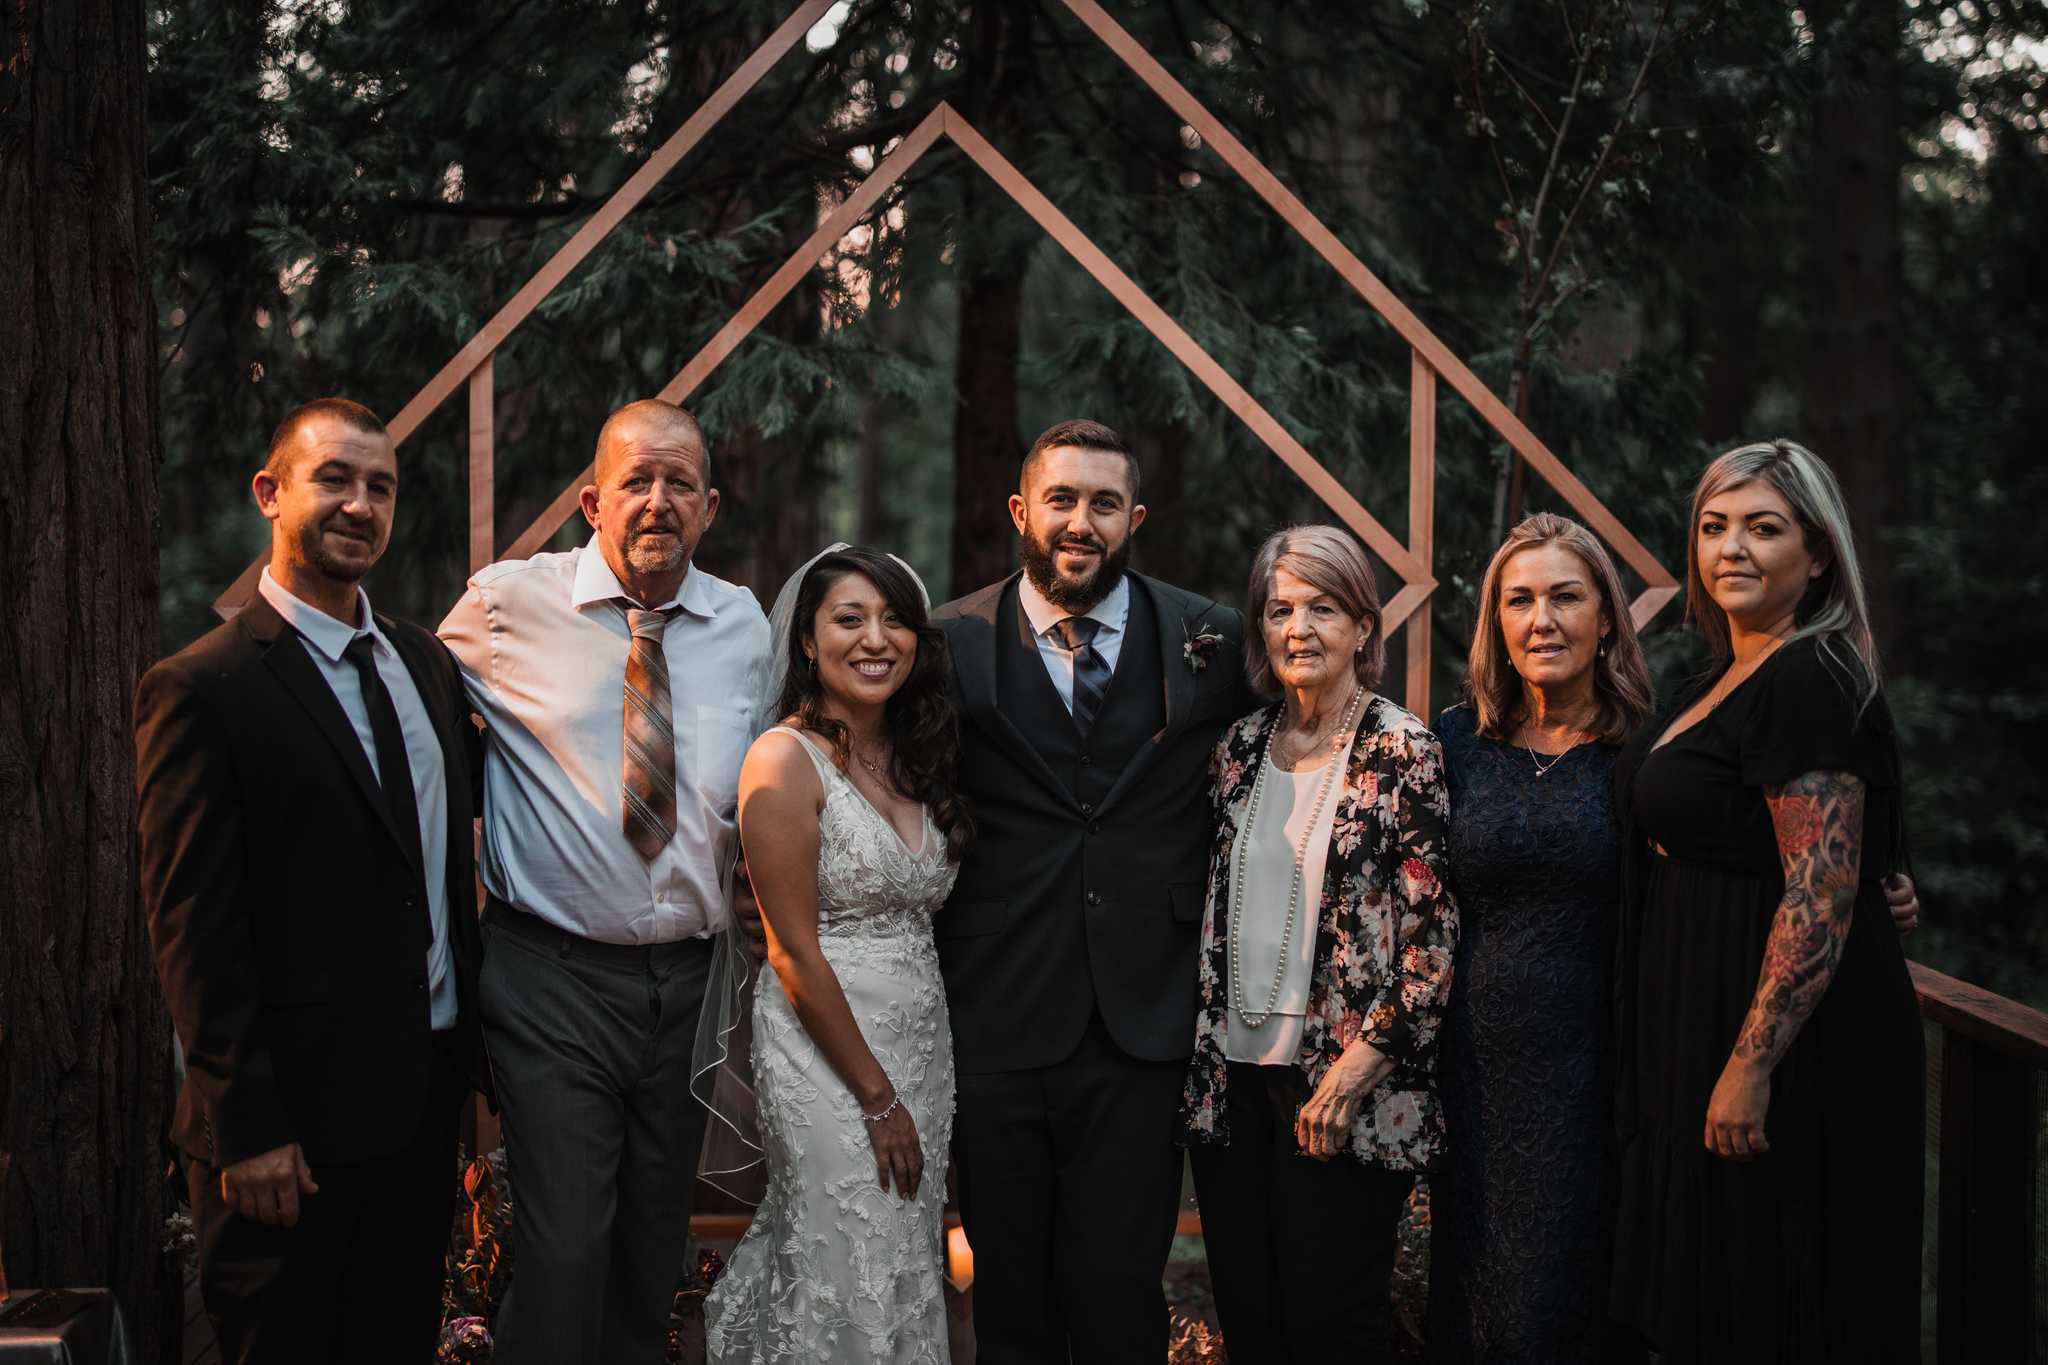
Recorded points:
(325, 639)
(1113, 612)
(1265, 857)
(543, 644)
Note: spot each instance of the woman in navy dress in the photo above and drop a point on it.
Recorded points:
(1770, 1066)
(1521, 1210)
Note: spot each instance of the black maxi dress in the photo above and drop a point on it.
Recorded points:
(1520, 1210)
(1810, 1253)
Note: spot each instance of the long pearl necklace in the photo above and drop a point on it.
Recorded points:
(1237, 898)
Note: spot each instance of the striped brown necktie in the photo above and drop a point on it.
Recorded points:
(649, 798)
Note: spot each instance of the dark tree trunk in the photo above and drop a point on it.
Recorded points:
(986, 442)
(1854, 379)
(84, 1037)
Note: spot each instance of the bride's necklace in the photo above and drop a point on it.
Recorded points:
(871, 765)
(1251, 817)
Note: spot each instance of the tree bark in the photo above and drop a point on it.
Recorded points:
(1854, 379)
(987, 443)
(84, 1036)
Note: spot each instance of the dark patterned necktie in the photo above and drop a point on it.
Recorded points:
(1091, 670)
(649, 795)
(394, 770)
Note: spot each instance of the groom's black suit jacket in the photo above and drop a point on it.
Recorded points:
(1083, 888)
(289, 922)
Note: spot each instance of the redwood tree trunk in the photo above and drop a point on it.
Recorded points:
(84, 1037)
(986, 441)
(1854, 378)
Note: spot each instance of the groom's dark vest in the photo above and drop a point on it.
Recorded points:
(1082, 893)
(1132, 709)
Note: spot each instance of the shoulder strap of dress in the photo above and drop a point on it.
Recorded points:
(827, 769)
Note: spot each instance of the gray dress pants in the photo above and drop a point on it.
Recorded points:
(590, 1048)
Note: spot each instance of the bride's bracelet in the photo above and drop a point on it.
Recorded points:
(895, 1102)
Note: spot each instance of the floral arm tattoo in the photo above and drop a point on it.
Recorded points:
(1819, 820)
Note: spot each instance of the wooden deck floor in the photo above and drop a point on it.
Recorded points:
(200, 1347)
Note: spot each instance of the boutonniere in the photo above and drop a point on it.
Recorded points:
(1199, 647)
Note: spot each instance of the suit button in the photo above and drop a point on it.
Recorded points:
(1095, 898)
(1086, 761)
(412, 902)
(1087, 808)
(1095, 827)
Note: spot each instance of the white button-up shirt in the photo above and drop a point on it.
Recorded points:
(1113, 612)
(543, 644)
(325, 639)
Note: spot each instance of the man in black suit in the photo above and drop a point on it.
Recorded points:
(1090, 701)
(305, 775)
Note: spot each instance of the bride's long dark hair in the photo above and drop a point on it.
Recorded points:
(923, 728)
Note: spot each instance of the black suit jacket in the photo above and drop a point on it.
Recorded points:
(1063, 907)
(288, 920)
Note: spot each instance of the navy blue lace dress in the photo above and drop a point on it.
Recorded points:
(1521, 1208)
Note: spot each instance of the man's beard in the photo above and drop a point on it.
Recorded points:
(1075, 595)
(313, 541)
(649, 556)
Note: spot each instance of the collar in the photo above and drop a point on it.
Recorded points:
(595, 582)
(320, 630)
(1113, 611)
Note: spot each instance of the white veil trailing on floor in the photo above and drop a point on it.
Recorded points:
(721, 1065)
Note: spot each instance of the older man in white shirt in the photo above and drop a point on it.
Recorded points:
(617, 684)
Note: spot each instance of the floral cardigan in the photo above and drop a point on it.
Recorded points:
(1385, 931)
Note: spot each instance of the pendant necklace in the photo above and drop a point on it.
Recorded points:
(1237, 898)
(1542, 768)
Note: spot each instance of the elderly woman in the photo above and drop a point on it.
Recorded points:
(1770, 1056)
(1325, 961)
(1520, 1212)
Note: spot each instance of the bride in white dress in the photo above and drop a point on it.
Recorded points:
(852, 835)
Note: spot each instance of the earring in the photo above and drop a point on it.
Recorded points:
(811, 660)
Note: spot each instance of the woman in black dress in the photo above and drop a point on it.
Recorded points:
(1520, 1212)
(1770, 1064)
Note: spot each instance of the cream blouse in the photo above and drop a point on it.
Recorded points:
(1264, 857)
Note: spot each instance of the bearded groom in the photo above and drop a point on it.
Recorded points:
(1090, 700)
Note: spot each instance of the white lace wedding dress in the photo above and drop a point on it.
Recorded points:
(835, 1268)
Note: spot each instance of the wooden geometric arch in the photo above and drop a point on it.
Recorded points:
(1430, 358)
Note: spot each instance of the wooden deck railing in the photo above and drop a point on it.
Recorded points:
(1988, 1091)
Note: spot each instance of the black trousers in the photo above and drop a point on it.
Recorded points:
(590, 1051)
(359, 1279)
(1069, 1184)
(1301, 1252)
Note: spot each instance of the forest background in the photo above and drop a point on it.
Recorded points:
(1655, 228)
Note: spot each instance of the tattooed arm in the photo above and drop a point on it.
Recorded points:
(1819, 820)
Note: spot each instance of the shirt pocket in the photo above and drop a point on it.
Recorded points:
(722, 739)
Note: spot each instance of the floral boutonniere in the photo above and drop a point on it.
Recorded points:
(1200, 646)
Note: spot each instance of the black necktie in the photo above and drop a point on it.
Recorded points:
(1091, 670)
(394, 773)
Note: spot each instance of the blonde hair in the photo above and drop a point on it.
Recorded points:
(1621, 677)
(1840, 621)
(1331, 562)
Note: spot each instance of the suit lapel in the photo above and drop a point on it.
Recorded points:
(285, 653)
(975, 644)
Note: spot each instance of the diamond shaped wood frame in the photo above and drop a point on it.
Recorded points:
(1429, 356)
